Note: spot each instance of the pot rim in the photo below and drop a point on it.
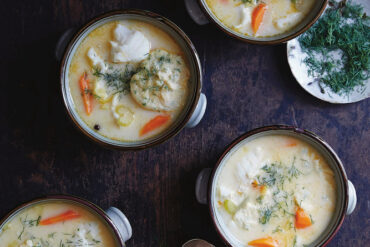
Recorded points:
(265, 42)
(310, 135)
(70, 198)
(193, 57)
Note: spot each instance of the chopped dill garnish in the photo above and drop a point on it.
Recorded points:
(274, 175)
(259, 199)
(265, 215)
(338, 48)
(277, 229)
(117, 80)
(293, 172)
(295, 241)
(28, 223)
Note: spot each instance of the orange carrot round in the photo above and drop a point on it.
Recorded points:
(257, 16)
(154, 123)
(68, 215)
(302, 219)
(264, 242)
(85, 92)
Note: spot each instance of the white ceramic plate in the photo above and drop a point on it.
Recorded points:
(310, 84)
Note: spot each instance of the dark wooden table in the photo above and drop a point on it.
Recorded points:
(247, 86)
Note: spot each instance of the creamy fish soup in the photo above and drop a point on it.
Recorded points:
(275, 191)
(56, 224)
(129, 80)
(260, 18)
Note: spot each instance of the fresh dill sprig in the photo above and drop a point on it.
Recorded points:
(265, 215)
(117, 80)
(338, 48)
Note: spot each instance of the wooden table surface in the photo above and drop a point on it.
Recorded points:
(247, 86)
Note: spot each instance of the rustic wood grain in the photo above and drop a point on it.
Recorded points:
(247, 86)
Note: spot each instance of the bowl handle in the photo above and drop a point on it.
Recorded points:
(352, 198)
(201, 185)
(193, 8)
(198, 112)
(197, 243)
(63, 42)
(121, 222)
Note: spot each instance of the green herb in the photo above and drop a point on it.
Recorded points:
(293, 172)
(277, 229)
(117, 80)
(312, 221)
(274, 175)
(247, 1)
(265, 215)
(342, 31)
(28, 223)
(259, 199)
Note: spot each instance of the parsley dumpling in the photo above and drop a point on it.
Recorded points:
(161, 82)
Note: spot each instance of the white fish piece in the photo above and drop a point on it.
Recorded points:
(85, 234)
(96, 60)
(245, 16)
(247, 216)
(225, 192)
(28, 243)
(250, 165)
(129, 45)
(121, 33)
(287, 21)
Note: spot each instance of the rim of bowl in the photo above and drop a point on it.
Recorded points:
(343, 176)
(70, 198)
(203, 4)
(166, 135)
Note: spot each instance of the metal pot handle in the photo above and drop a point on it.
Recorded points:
(201, 185)
(63, 42)
(352, 198)
(193, 8)
(198, 112)
(121, 222)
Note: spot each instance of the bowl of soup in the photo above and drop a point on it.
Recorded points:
(132, 79)
(258, 22)
(277, 186)
(64, 221)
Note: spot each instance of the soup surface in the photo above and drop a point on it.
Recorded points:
(56, 224)
(129, 80)
(275, 190)
(260, 18)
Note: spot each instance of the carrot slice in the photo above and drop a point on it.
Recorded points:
(85, 92)
(291, 144)
(302, 219)
(257, 16)
(264, 242)
(154, 123)
(261, 187)
(68, 215)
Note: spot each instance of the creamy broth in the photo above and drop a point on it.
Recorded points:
(37, 226)
(276, 189)
(161, 94)
(279, 17)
